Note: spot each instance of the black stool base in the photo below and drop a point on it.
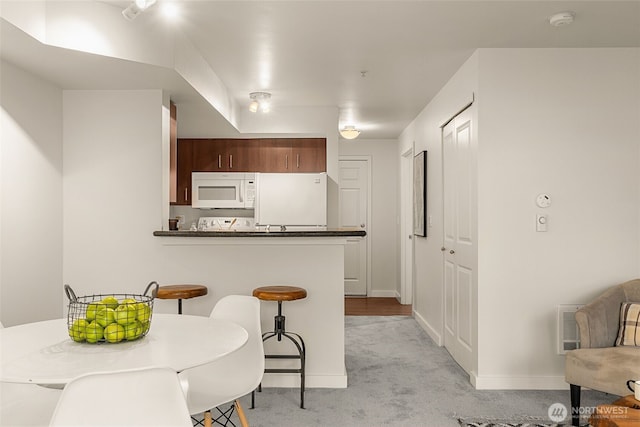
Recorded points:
(279, 332)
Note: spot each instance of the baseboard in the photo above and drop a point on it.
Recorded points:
(310, 381)
(382, 294)
(501, 382)
(435, 336)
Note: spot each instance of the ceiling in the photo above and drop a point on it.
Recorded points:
(314, 52)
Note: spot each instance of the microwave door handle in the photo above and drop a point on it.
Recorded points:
(241, 192)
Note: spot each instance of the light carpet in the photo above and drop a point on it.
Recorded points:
(398, 377)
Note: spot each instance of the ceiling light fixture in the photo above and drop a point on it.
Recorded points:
(349, 132)
(134, 9)
(260, 101)
(562, 19)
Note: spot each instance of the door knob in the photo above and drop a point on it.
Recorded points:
(452, 252)
(443, 249)
(410, 237)
(362, 225)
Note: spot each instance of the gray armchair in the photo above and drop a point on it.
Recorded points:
(598, 364)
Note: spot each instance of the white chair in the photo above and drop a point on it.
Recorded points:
(233, 376)
(26, 404)
(141, 397)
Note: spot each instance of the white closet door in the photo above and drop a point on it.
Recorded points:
(459, 249)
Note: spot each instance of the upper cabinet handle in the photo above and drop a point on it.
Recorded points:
(230, 161)
(298, 161)
(219, 161)
(286, 161)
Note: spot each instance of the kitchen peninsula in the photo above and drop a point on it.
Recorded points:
(229, 261)
(331, 232)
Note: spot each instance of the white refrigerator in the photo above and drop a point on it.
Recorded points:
(291, 199)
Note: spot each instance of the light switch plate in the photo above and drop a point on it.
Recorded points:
(541, 223)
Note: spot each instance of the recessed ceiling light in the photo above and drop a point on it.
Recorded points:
(170, 10)
(561, 19)
(134, 9)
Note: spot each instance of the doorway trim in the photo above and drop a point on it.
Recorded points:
(406, 229)
(367, 159)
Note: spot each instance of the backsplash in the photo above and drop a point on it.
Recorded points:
(191, 215)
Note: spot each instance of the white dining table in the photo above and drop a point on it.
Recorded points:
(42, 352)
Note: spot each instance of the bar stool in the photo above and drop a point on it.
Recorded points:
(279, 294)
(181, 292)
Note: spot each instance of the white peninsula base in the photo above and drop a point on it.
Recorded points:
(237, 265)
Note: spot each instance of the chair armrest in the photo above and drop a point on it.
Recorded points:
(599, 321)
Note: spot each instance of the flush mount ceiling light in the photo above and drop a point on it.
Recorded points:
(136, 7)
(349, 132)
(260, 101)
(562, 19)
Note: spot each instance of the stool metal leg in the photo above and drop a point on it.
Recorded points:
(180, 306)
(279, 332)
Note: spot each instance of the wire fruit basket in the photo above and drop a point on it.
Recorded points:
(110, 318)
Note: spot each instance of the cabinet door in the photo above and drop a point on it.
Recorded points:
(183, 173)
(275, 155)
(210, 155)
(309, 155)
(252, 155)
(242, 155)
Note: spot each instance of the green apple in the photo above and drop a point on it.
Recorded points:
(145, 327)
(110, 302)
(128, 301)
(104, 316)
(144, 312)
(91, 311)
(94, 332)
(114, 333)
(125, 314)
(78, 331)
(133, 330)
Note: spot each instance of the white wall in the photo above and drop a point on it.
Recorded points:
(112, 187)
(382, 231)
(30, 197)
(425, 134)
(558, 121)
(562, 122)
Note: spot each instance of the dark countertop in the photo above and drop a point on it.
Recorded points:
(332, 232)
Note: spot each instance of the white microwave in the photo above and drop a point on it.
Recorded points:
(221, 190)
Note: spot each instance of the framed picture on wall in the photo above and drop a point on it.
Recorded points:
(420, 194)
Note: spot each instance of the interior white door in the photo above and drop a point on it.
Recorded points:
(406, 228)
(459, 246)
(354, 193)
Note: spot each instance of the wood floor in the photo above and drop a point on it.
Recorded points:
(354, 306)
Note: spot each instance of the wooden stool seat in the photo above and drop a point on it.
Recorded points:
(279, 293)
(181, 292)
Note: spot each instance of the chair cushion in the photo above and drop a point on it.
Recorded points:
(629, 331)
(604, 369)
